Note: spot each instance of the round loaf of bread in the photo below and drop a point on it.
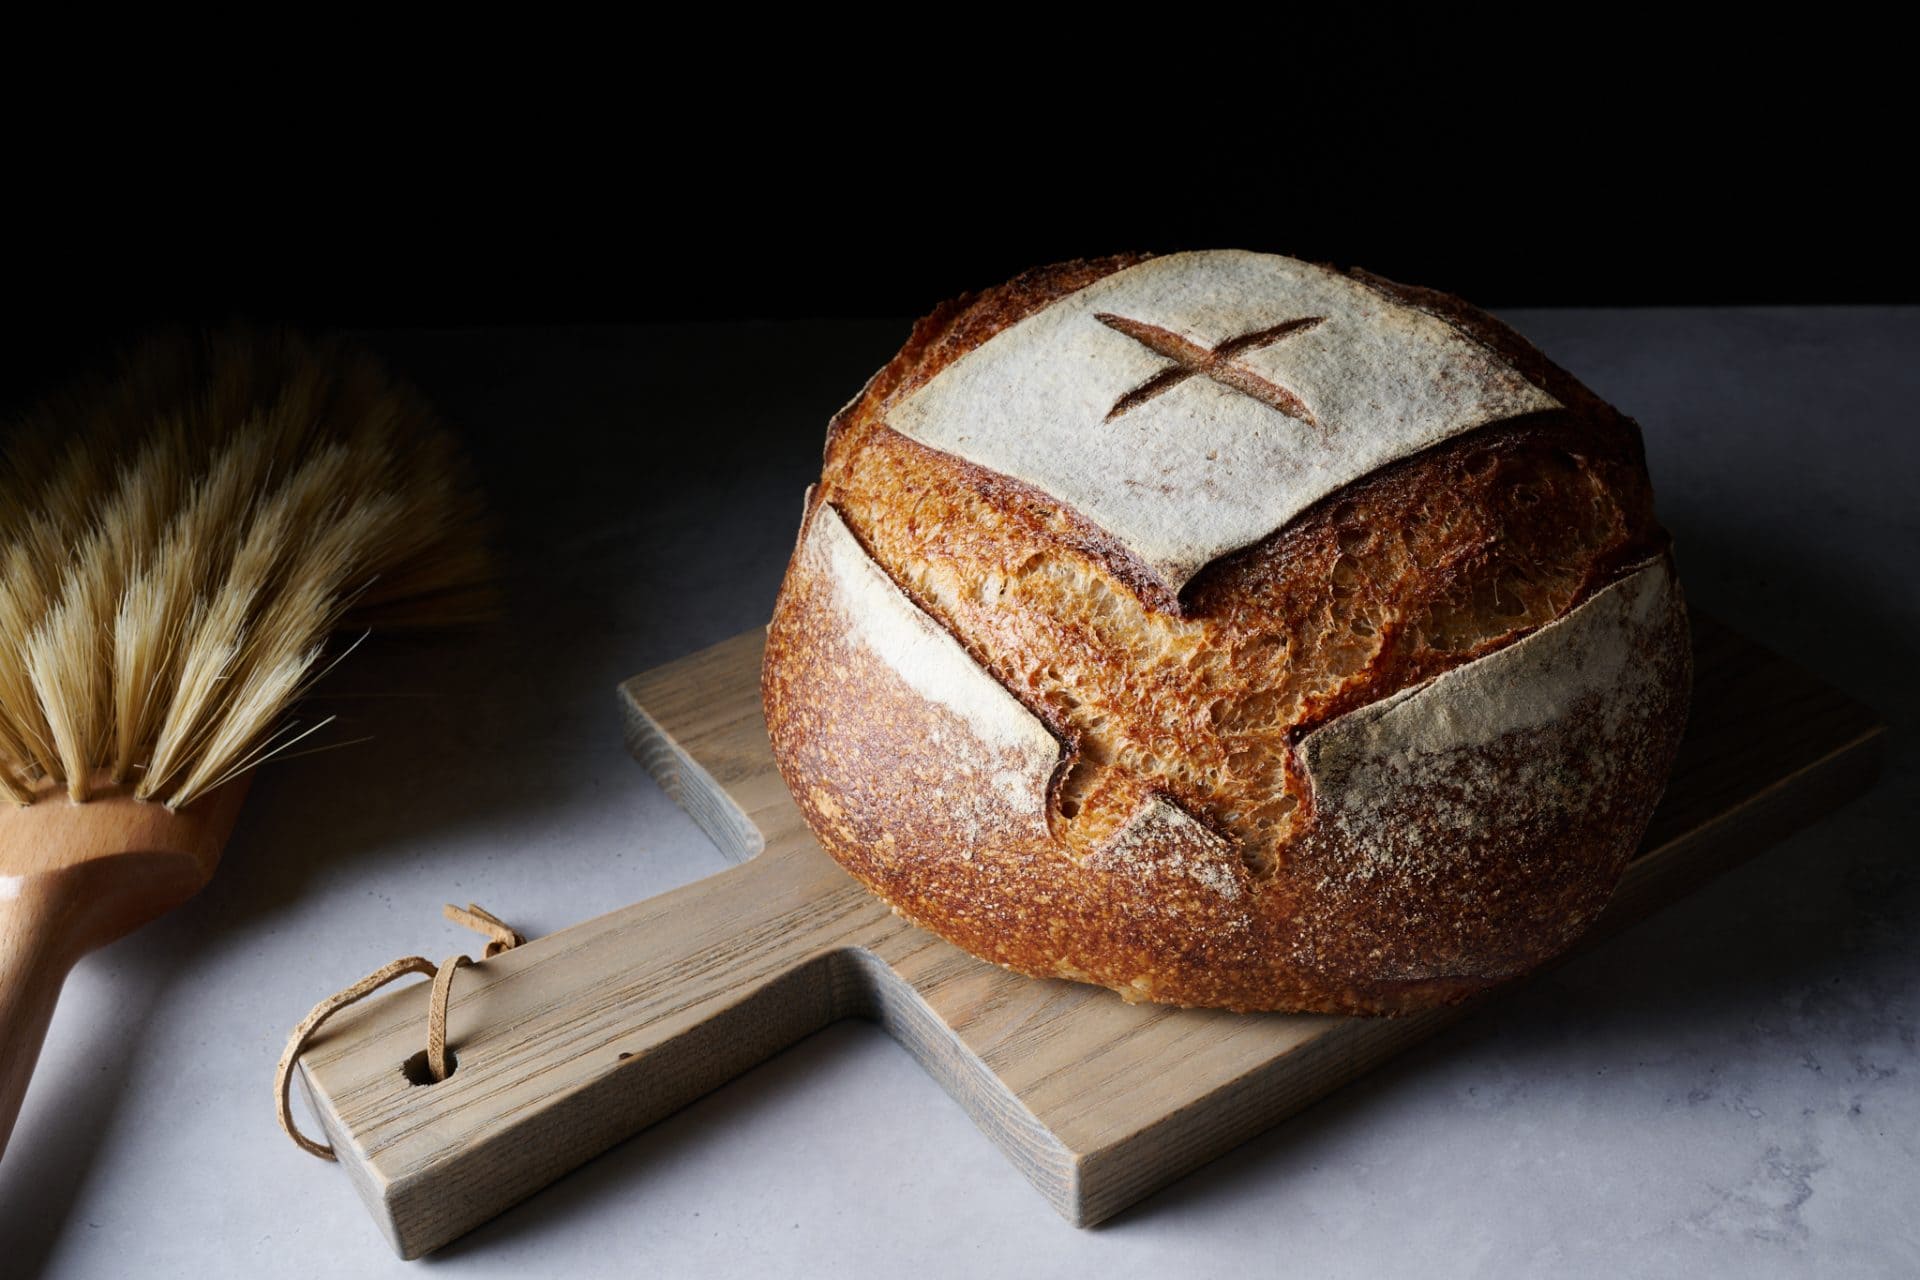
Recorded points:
(1231, 631)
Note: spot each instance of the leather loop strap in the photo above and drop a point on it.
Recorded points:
(500, 937)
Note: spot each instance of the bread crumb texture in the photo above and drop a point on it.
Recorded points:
(1394, 752)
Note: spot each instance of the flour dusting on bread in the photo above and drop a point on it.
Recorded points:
(1194, 403)
(878, 615)
(1409, 778)
(1163, 842)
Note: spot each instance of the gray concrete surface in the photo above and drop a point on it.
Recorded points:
(1729, 1089)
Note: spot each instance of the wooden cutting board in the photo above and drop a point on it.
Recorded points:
(574, 1041)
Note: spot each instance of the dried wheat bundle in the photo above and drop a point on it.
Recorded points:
(178, 544)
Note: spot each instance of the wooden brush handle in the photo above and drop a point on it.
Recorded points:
(74, 877)
(37, 948)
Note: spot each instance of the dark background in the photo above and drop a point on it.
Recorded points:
(661, 225)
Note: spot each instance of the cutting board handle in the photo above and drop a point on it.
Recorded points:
(569, 1043)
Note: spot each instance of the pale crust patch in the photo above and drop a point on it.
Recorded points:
(1002, 741)
(1502, 761)
(1583, 666)
(1194, 403)
(1165, 845)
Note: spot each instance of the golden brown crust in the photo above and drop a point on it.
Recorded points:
(1424, 566)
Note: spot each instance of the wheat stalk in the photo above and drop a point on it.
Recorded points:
(177, 545)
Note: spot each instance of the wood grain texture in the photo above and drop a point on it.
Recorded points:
(576, 1040)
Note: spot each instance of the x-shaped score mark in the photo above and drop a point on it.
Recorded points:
(1216, 364)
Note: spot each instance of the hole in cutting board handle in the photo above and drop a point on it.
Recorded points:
(417, 1072)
